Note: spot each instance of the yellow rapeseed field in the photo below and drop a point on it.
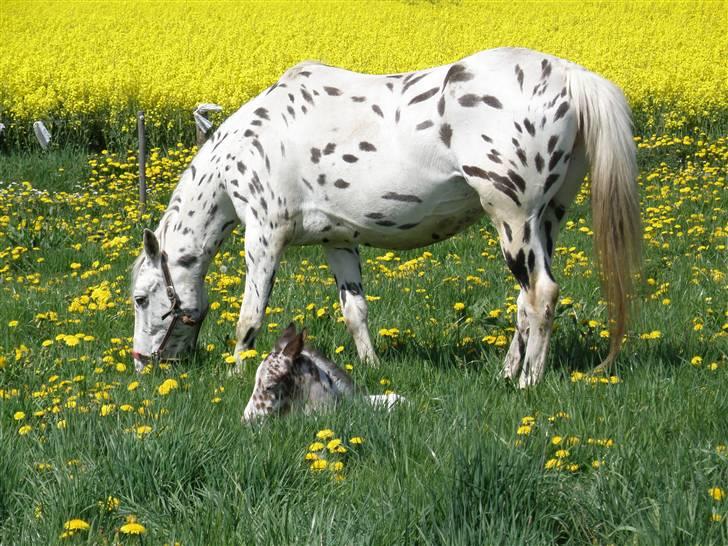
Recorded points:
(95, 63)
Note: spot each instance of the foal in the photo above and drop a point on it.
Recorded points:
(294, 376)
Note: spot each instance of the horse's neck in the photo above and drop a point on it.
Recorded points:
(200, 215)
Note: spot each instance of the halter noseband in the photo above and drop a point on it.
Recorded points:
(178, 314)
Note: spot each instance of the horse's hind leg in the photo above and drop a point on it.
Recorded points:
(262, 254)
(346, 267)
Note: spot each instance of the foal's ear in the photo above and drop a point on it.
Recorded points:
(151, 245)
(288, 334)
(293, 349)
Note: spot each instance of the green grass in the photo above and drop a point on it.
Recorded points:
(447, 468)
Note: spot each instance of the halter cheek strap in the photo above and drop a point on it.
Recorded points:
(178, 315)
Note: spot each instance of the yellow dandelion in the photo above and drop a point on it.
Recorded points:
(562, 453)
(316, 446)
(325, 434)
(524, 430)
(76, 525)
(356, 440)
(25, 429)
(19, 415)
(319, 465)
(459, 306)
(716, 493)
(132, 528)
(167, 386)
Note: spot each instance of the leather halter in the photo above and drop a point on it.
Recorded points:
(178, 315)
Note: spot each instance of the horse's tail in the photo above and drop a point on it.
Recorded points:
(605, 125)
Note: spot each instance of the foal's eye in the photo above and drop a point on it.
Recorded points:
(141, 301)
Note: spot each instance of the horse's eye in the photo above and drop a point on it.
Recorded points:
(141, 301)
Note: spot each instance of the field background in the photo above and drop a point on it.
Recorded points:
(90, 452)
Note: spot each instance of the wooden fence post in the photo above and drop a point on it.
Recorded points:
(142, 162)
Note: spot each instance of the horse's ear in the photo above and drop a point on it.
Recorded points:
(151, 245)
(294, 347)
(288, 334)
(304, 334)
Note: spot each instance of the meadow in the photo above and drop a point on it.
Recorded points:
(91, 452)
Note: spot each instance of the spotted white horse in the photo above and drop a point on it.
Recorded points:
(332, 157)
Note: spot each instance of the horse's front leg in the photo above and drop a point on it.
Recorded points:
(262, 255)
(517, 350)
(346, 267)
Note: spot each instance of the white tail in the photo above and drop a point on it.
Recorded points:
(605, 124)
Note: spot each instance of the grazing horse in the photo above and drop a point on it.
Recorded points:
(296, 376)
(328, 156)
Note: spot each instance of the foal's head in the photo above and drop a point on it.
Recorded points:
(275, 382)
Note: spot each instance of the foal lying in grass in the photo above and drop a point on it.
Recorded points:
(294, 376)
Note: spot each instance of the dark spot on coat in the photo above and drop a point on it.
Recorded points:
(358, 99)
(549, 241)
(341, 184)
(517, 266)
(555, 159)
(552, 143)
(561, 110)
(508, 232)
(329, 149)
(531, 260)
(526, 232)
(321, 179)
(261, 113)
(385, 223)
(333, 91)
(424, 96)
(315, 155)
(424, 125)
(457, 73)
(472, 170)
(187, 261)
(401, 197)
(550, 180)
(529, 126)
(377, 110)
(350, 158)
(306, 96)
(470, 100)
(517, 179)
(519, 76)
(374, 215)
(367, 147)
(410, 81)
(539, 162)
(441, 106)
(492, 101)
(446, 134)
(522, 156)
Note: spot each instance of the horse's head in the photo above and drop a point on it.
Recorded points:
(169, 304)
(274, 387)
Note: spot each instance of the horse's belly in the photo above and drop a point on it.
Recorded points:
(400, 221)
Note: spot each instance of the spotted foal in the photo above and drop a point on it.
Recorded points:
(294, 376)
